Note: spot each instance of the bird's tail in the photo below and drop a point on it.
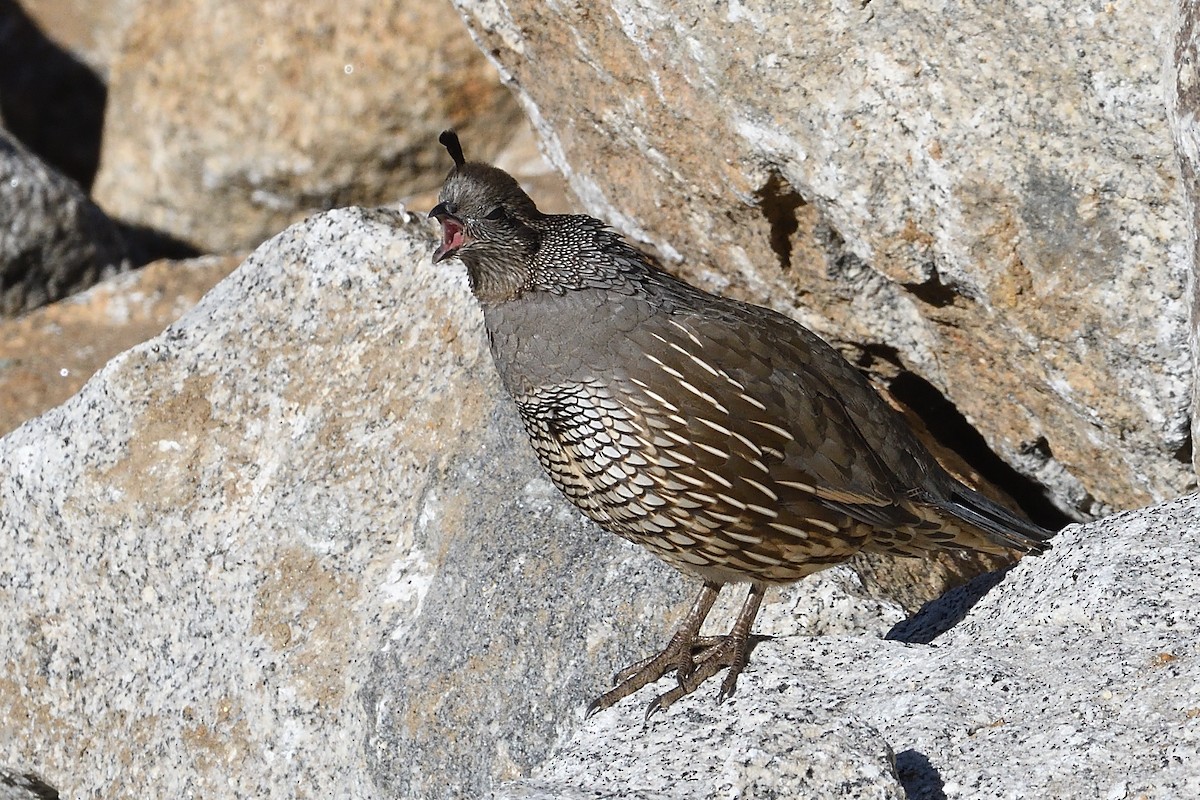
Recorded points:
(959, 519)
(994, 521)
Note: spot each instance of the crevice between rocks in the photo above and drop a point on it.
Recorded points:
(919, 778)
(951, 429)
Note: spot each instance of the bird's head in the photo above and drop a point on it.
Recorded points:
(487, 221)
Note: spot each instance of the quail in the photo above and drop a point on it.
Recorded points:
(734, 443)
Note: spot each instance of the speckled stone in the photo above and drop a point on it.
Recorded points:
(298, 545)
(1078, 675)
(988, 200)
(1183, 102)
(754, 749)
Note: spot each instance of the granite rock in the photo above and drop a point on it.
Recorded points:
(762, 752)
(1183, 101)
(1076, 676)
(228, 120)
(47, 354)
(987, 201)
(53, 239)
(297, 544)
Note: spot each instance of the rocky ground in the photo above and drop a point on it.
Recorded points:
(295, 544)
(297, 540)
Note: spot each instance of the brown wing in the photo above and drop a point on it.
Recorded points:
(785, 398)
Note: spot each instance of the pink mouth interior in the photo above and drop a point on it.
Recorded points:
(452, 236)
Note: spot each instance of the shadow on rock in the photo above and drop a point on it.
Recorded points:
(920, 779)
(940, 615)
(49, 100)
(149, 244)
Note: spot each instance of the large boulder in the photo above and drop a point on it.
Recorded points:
(989, 201)
(1076, 676)
(227, 120)
(299, 540)
(1183, 101)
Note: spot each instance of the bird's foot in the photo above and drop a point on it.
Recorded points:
(675, 657)
(730, 652)
(693, 658)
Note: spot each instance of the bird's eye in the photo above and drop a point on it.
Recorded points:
(496, 213)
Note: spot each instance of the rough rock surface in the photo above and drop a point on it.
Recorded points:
(761, 751)
(48, 354)
(53, 239)
(229, 120)
(297, 544)
(990, 201)
(298, 540)
(1076, 676)
(1183, 100)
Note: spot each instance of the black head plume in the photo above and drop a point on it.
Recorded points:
(449, 140)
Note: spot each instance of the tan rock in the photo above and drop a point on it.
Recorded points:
(300, 539)
(989, 201)
(229, 120)
(48, 354)
(90, 30)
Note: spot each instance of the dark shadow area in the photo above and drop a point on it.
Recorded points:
(147, 244)
(49, 100)
(919, 778)
(940, 615)
(778, 202)
(1184, 453)
(933, 292)
(947, 424)
(25, 784)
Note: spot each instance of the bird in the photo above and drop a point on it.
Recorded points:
(729, 440)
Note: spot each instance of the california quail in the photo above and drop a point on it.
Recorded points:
(734, 443)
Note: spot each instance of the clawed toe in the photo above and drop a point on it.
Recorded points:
(693, 658)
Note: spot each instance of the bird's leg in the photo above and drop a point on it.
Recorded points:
(677, 655)
(730, 651)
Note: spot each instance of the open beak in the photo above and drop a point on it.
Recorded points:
(454, 234)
